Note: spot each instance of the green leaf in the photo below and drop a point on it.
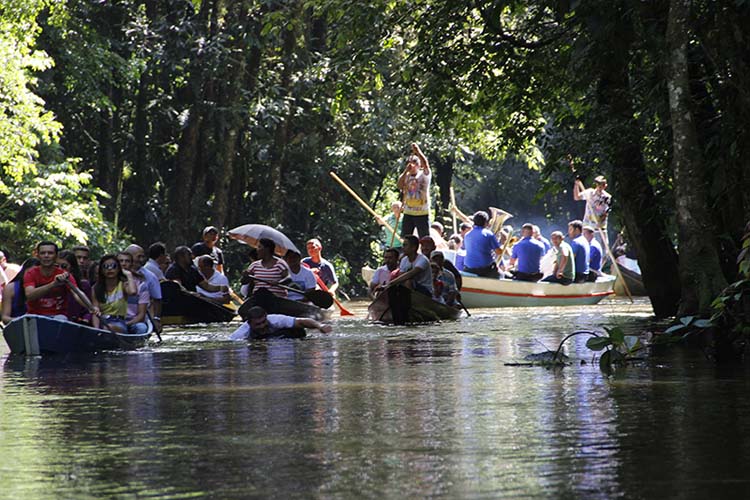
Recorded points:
(675, 328)
(685, 320)
(616, 334)
(598, 343)
(605, 362)
(632, 343)
(703, 323)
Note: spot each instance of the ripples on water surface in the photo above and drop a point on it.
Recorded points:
(378, 412)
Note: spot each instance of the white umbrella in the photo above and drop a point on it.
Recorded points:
(252, 233)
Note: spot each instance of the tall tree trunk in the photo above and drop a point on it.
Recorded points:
(700, 271)
(644, 222)
(188, 157)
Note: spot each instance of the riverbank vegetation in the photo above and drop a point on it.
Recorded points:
(151, 119)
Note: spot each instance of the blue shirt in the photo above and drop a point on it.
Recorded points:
(326, 273)
(152, 283)
(546, 243)
(580, 248)
(529, 253)
(595, 256)
(479, 243)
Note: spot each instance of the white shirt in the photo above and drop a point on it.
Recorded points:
(276, 322)
(216, 279)
(153, 266)
(305, 278)
(381, 277)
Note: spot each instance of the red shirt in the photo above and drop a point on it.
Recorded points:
(56, 300)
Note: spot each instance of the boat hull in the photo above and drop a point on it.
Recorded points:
(634, 282)
(400, 305)
(487, 293)
(34, 335)
(274, 304)
(180, 307)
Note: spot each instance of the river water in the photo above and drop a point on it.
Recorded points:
(377, 412)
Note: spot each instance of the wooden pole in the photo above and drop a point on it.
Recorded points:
(453, 214)
(361, 201)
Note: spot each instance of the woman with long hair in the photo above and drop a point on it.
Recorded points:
(68, 261)
(14, 295)
(110, 294)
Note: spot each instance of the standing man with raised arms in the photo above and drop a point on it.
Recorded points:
(414, 184)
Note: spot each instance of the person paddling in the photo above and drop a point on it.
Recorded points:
(260, 326)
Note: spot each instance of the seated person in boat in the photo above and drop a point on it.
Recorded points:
(463, 229)
(207, 267)
(138, 303)
(302, 277)
(580, 247)
(427, 245)
(565, 268)
(157, 259)
(444, 288)
(537, 235)
(208, 247)
(386, 236)
(527, 256)
(8, 270)
(595, 254)
(151, 282)
(184, 272)
(46, 285)
(482, 248)
(258, 325)
(269, 269)
(414, 269)
(67, 261)
(83, 256)
(14, 295)
(437, 234)
(382, 275)
(321, 267)
(110, 295)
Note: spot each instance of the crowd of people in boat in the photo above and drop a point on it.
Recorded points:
(479, 251)
(122, 291)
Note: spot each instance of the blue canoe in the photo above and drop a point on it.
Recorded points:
(34, 335)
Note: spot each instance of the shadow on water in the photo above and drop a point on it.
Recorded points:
(376, 411)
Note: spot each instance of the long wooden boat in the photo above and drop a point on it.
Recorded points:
(34, 335)
(274, 304)
(180, 307)
(489, 292)
(400, 305)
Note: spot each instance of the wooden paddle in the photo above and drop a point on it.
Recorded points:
(453, 214)
(362, 202)
(320, 298)
(342, 310)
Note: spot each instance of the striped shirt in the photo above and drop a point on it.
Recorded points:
(275, 273)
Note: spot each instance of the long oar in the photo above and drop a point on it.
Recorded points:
(453, 214)
(320, 298)
(342, 310)
(362, 202)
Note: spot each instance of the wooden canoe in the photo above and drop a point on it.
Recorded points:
(400, 305)
(274, 304)
(34, 335)
(180, 307)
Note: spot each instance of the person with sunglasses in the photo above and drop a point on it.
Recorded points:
(110, 295)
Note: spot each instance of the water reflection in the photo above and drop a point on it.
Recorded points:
(375, 411)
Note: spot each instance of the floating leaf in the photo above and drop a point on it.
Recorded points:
(675, 328)
(598, 343)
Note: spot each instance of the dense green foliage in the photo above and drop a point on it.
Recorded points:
(171, 114)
